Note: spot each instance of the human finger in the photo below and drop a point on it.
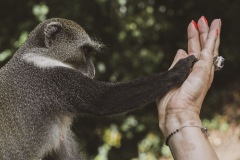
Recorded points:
(209, 47)
(194, 47)
(216, 24)
(179, 55)
(203, 29)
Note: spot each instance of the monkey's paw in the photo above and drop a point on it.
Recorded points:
(182, 68)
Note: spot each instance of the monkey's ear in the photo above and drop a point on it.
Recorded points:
(50, 32)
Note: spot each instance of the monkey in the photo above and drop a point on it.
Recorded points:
(49, 81)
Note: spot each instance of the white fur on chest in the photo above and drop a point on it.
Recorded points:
(60, 130)
(58, 134)
(43, 62)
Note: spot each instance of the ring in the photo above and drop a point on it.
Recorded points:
(218, 62)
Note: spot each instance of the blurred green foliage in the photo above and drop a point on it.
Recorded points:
(141, 37)
(218, 122)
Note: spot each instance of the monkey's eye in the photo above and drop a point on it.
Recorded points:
(88, 50)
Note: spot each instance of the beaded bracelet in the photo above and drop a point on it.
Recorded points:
(203, 129)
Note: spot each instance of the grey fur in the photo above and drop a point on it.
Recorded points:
(39, 98)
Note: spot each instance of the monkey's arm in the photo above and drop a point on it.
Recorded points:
(101, 98)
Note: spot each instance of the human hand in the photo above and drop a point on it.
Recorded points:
(182, 106)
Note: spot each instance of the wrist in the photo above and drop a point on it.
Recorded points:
(174, 121)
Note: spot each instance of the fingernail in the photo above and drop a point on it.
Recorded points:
(205, 19)
(217, 32)
(195, 24)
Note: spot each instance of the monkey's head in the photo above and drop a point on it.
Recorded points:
(65, 41)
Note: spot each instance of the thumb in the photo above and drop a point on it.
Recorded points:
(180, 55)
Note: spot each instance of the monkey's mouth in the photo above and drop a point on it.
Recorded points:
(86, 69)
(89, 70)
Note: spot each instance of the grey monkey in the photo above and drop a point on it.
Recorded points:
(49, 81)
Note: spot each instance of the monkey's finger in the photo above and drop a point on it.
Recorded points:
(179, 55)
(203, 30)
(194, 47)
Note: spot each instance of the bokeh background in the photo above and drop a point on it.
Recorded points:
(141, 37)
